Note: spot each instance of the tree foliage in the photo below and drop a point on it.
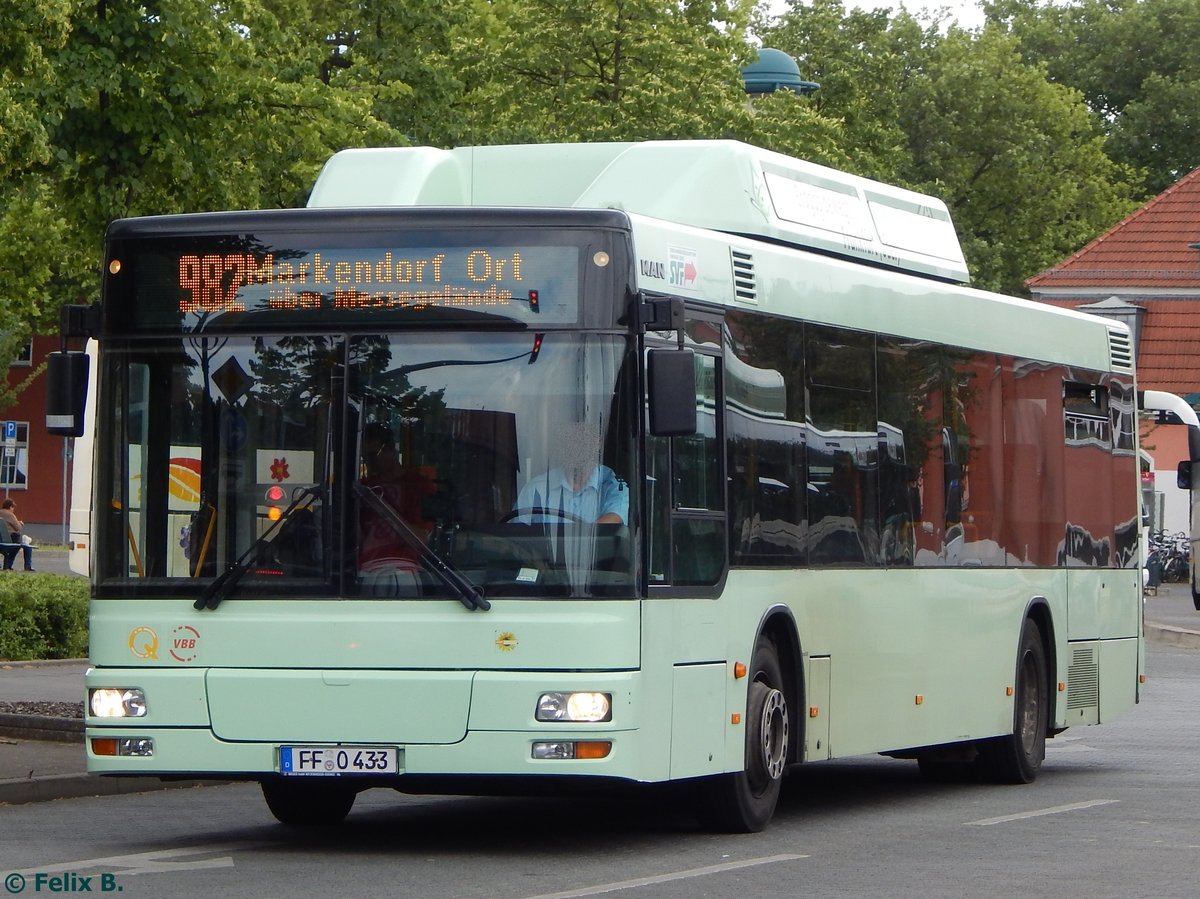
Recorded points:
(864, 62)
(1136, 64)
(1018, 159)
(594, 70)
(32, 229)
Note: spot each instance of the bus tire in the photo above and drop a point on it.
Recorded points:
(744, 802)
(1017, 757)
(308, 802)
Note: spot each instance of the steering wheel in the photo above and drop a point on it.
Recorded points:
(543, 511)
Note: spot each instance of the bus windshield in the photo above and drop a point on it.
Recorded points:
(359, 465)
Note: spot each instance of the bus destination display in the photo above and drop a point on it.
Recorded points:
(523, 283)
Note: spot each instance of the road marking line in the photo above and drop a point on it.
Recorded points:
(1074, 806)
(154, 862)
(667, 878)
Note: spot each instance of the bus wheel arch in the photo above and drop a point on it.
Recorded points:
(1017, 757)
(1039, 612)
(780, 629)
(745, 801)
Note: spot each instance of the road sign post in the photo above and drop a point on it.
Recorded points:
(10, 452)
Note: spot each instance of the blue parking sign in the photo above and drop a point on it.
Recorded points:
(10, 430)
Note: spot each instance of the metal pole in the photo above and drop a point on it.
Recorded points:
(66, 454)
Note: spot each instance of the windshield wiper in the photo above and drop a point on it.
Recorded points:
(222, 585)
(467, 593)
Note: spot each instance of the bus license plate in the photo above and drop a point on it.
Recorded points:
(331, 760)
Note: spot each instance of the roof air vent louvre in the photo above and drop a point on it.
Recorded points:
(1120, 351)
(745, 286)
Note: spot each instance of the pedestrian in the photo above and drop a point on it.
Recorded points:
(15, 527)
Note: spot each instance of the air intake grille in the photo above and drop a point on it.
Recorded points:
(1120, 350)
(1083, 679)
(745, 286)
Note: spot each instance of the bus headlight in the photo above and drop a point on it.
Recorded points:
(590, 707)
(117, 702)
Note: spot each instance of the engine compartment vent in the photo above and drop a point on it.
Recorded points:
(745, 284)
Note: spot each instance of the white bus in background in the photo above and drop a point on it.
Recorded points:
(1168, 408)
(79, 535)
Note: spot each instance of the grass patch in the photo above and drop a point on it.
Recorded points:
(43, 616)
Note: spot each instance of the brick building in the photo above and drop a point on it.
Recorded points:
(34, 467)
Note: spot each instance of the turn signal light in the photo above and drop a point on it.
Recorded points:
(104, 746)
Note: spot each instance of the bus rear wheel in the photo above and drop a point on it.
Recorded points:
(308, 802)
(744, 802)
(1017, 757)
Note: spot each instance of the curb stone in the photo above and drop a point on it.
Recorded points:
(18, 791)
(41, 727)
(1172, 636)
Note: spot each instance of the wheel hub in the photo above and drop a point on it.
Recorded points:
(774, 734)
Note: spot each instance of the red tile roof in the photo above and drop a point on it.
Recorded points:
(1150, 250)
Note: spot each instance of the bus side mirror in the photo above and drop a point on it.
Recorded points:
(671, 392)
(66, 393)
(1183, 475)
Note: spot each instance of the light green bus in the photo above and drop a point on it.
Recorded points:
(583, 464)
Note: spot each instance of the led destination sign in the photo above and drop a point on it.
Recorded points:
(232, 282)
(227, 282)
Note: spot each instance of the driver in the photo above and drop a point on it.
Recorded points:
(580, 488)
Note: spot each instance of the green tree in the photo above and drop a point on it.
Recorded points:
(117, 109)
(399, 54)
(539, 71)
(1019, 160)
(864, 62)
(31, 229)
(1134, 61)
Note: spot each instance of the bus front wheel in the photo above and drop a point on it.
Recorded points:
(308, 802)
(1016, 758)
(744, 802)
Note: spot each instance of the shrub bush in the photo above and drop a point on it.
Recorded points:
(43, 616)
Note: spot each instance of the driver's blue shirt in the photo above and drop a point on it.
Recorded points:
(603, 493)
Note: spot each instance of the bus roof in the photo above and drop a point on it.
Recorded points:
(719, 185)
